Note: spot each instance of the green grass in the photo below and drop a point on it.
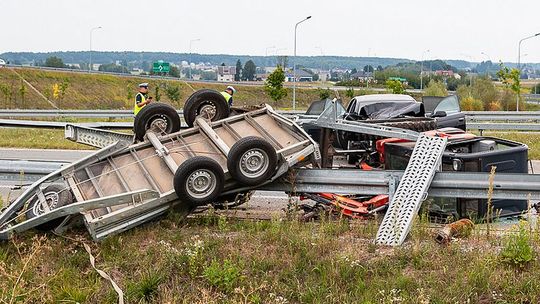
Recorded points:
(86, 91)
(531, 139)
(279, 261)
(37, 139)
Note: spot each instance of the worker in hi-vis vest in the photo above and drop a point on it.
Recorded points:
(228, 94)
(141, 99)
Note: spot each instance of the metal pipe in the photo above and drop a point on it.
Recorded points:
(519, 64)
(91, 31)
(294, 65)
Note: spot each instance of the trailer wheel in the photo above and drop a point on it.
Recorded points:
(199, 180)
(56, 196)
(207, 103)
(252, 161)
(157, 117)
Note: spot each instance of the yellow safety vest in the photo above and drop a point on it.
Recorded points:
(227, 97)
(136, 108)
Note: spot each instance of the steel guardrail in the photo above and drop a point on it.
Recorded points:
(445, 184)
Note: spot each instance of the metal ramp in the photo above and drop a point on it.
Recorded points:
(412, 190)
(95, 137)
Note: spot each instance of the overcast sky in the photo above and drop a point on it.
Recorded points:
(458, 29)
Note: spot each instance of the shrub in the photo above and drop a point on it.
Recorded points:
(223, 276)
(517, 249)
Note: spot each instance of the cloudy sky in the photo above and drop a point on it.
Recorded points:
(458, 29)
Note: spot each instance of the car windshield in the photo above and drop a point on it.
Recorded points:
(317, 107)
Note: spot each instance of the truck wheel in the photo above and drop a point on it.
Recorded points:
(252, 160)
(207, 103)
(56, 196)
(198, 180)
(157, 117)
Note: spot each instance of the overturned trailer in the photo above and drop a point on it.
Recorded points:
(124, 185)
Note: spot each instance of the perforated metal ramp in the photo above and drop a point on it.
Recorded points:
(411, 191)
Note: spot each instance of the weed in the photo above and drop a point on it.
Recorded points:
(146, 288)
(517, 249)
(224, 276)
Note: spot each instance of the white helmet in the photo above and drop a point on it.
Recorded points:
(231, 88)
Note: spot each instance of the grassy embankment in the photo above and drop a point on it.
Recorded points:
(84, 91)
(218, 260)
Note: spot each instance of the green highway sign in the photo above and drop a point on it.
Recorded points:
(161, 67)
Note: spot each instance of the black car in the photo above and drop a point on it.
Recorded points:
(444, 110)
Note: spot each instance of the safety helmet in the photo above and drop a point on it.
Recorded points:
(231, 88)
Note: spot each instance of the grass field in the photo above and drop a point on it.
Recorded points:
(84, 91)
(218, 260)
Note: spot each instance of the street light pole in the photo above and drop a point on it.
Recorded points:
(489, 59)
(519, 63)
(322, 54)
(91, 31)
(294, 66)
(422, 70)
(266, 50)
(189, 63)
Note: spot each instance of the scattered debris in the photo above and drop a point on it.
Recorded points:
(455, 229)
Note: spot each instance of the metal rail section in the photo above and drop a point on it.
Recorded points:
(95, 137)
(502, 121)
(345, 181)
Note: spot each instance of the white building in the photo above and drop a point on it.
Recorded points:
(226, 73)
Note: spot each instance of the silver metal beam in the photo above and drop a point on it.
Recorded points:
(444, 184)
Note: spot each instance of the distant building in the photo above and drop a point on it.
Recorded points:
(362, 76)
(445, 73)
(226, 73)
(261, 76)
(301, 76)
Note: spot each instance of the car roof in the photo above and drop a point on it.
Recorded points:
(384, 97)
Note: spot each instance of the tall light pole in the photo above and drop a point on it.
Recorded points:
(519, 63)
(189, 63)
(422, 70)
(266, 50)
(294, 65)
(489, 59)
(91, 31)
(322, 54)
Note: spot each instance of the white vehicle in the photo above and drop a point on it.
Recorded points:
(2, 62)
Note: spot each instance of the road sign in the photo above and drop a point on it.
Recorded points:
(161, 67)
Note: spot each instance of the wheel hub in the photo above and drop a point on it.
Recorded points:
(200, 183)
(51, 199)
(254, 163)
(208, 111)
(158, 124)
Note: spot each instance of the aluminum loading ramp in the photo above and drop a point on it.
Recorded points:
(412, 190)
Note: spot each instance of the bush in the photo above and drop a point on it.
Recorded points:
(517, 250)
(223, 276)
(324, 93)
(436, 88)
(173, 92)
(395, 86)
(471, 104)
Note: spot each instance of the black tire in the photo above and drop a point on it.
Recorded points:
(207, 101)
(56, 195)
(252, 149)
(189, 173)
(151, 115)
